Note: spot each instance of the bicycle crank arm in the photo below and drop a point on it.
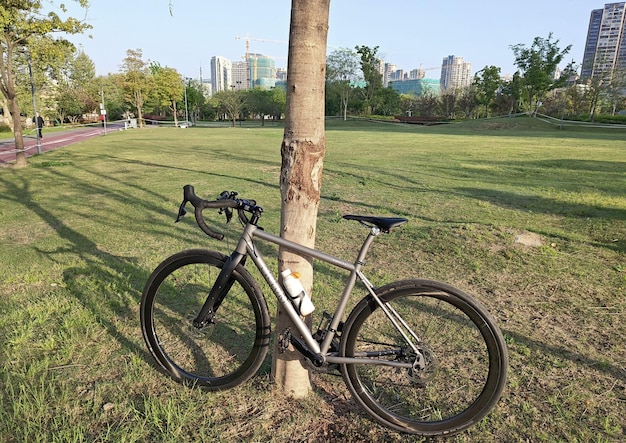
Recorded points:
(301, 347)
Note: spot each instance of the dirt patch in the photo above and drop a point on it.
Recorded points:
(529, 239)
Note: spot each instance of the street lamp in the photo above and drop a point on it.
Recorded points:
(32, 91)
(186, 108)
(103, 112)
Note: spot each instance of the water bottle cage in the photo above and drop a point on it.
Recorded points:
(297, 301)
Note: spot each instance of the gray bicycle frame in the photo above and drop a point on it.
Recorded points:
(246, 246)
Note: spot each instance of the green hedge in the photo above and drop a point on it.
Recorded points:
(608, 119)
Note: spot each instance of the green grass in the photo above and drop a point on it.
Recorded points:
(83, 227)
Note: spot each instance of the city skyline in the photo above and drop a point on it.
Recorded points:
(258, 70)
(408, 35)
(604, 51)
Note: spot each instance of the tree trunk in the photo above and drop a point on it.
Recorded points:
(302, 152)
(20, 155)
(139, 105)
(10, 94)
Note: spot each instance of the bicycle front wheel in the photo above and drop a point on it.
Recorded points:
(219, 355)
(463, 371)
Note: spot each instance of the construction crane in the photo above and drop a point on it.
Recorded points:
(247, 38)
(421, 72)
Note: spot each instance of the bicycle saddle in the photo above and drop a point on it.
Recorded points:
(383, 223)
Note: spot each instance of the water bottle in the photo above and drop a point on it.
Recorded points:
(300, 299)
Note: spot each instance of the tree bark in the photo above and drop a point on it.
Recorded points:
(302, 153)
(10, 94)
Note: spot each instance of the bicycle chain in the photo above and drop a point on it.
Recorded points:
(284, 340)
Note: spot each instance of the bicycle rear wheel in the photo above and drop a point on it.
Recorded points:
(464, 353)
(219, 355)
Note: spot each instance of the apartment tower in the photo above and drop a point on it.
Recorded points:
(455, 73)
(605, 49)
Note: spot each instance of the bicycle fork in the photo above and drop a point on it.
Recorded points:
(219, 290)
(222, 285)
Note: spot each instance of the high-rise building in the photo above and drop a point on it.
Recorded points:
(221, 74)
(415, 74)
(257, 71)
(455, 73)
(241, 75)
(388, 73)
(605, 49)
(262, 72)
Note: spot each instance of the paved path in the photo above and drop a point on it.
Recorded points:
(52, 140)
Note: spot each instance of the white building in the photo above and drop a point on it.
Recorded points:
(221, 74)
(455, 73)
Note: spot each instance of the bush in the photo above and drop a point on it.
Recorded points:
(600, 118)
(4, 128)
(615, 119)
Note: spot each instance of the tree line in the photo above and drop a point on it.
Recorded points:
(72, 93)
(354, 86)
(34, 58)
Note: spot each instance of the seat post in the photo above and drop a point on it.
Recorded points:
(360, 261)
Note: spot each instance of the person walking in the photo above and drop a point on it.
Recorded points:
(40, 124)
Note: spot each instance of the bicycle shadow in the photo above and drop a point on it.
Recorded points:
(107, 284)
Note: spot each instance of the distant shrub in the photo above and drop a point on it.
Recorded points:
(602, 118)
(4, 128)
(617, 119)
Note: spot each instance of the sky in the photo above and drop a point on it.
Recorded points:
(408, 33)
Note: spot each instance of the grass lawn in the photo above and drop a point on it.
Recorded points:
(83, 227)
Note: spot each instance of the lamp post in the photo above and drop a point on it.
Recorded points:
(186, 106)
(103, 111)
(32, 91)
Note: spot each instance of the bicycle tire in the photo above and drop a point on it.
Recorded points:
(465, 353)
(217, 356)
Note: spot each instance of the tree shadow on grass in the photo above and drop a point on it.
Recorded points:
(551, 206)
(107, 285)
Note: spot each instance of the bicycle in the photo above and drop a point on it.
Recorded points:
(419, 356)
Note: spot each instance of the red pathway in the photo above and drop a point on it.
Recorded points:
(52, 140)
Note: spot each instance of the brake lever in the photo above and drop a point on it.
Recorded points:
(228, 212)
(225, 195)
(181, 211)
